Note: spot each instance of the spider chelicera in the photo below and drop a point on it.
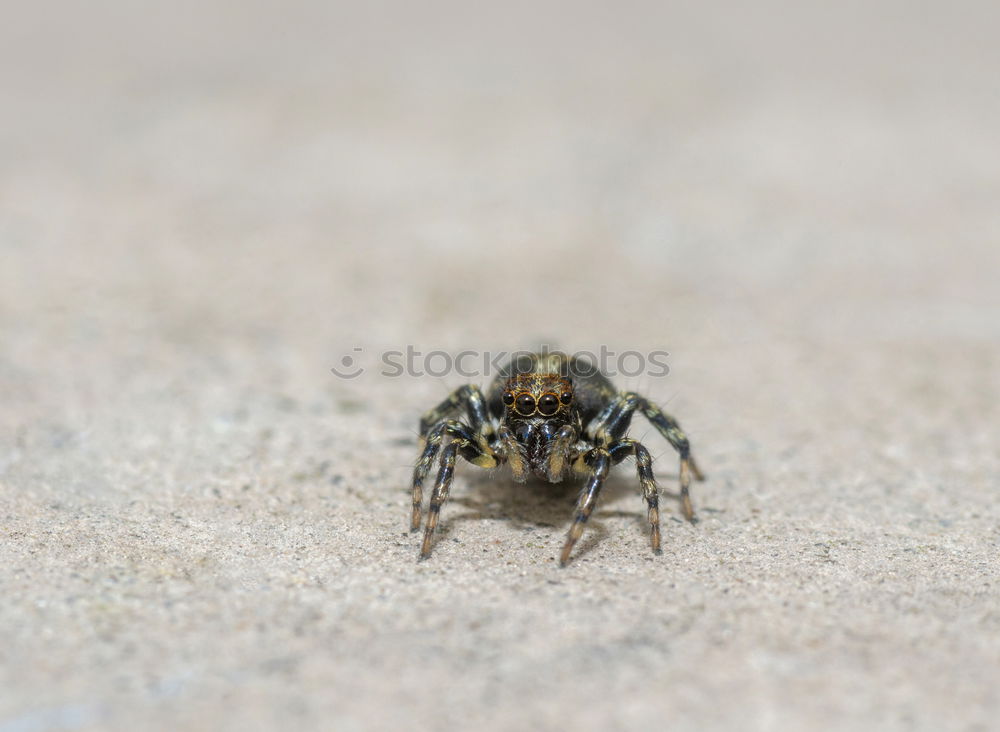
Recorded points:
(548, 415)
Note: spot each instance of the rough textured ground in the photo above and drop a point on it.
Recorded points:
(203, 208)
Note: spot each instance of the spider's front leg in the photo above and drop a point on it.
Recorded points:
(432, 444)
(438, 422)
(439, 495)
(463, 443)
(644, 467)
(468, 398)
(612, 423)
(596, 462)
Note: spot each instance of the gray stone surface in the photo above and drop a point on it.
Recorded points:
(203, 207)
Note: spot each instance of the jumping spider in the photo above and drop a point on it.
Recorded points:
(547, 415)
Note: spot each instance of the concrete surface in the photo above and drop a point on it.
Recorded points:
(204, 207)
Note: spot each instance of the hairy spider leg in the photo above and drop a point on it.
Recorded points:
(474, 450)
(439, 495)
(468, 398)
(480, 430)
(650, 491)
(597, 461)
(614, 420)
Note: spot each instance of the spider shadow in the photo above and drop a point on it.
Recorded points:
(540, 505)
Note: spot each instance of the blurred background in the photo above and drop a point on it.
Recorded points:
(205, 205)
(328, 175)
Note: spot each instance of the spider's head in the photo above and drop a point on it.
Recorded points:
(536, 407)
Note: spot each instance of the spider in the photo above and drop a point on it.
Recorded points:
(549, 415)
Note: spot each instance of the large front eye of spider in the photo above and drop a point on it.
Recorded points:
(525, 405)
(548, 404)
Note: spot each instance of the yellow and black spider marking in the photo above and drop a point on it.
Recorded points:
(551, 416)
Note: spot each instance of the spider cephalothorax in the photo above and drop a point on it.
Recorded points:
(539, 411)
(548, 415)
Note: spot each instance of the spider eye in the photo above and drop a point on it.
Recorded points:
(566, 397)
(548, 404)
(525, 405)
(508, 398)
